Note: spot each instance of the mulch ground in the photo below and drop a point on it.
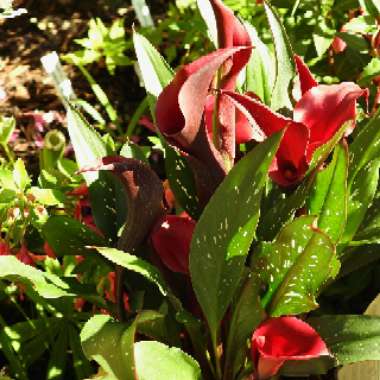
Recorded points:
(53, 26)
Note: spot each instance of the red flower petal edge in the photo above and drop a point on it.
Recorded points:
(325, 108)
(307, 80)
(171, 240)
(231, 33)
(279, 339)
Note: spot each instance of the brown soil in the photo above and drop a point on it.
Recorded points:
(54, 25)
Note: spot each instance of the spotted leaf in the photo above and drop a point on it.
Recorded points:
(293, 267)
(328, 197)
(225, 231)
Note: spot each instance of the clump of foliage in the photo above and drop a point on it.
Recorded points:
(239, 241)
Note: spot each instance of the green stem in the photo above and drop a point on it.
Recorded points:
(215, 116)
(102, 97)
(218, 367)
(137, 115)
(8, 153)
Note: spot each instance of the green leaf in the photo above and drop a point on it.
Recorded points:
(46, 285)
(7, 126)
(370, 228)
(6, 179)
(181, 181)
(321, 154)
(363, 24)
(142, 13)
(111, 344)
(108, 204)
(362, 193)
(67, 236)
(88, 145)
(350, 338)
(365, 146)
(58, 355)
(282, 210)
(285, 66)
(155, 71)
(371, 7)
(17, 366)
(135, 264)
(294, 267)
(81, 365)
(355, 42)
(225, 230)
(371, 71)
(7, 196)
(20, 175)
(260, 70)
(328, 198)
(156, 361)
(131, 150)
(48, 197)
(208, 15)
(323, 35)
(247, 314)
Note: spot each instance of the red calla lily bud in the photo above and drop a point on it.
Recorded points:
(280, 339)
(231, 33)
(171, 240)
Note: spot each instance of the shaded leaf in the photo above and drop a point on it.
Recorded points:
(108, 204)
(350, 338)
(247, 313)
(181, 181)
(362, 192)
(67, 236)
(135, 264)
(365, 147)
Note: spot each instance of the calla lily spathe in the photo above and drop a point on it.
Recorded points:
(280, 339)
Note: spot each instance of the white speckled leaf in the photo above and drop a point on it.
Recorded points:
(294, 267)
(225, 231)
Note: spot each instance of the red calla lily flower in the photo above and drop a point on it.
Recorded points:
(171, 240)
(317, 116)
(280, 339)
(181, 105)
(231, 33)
